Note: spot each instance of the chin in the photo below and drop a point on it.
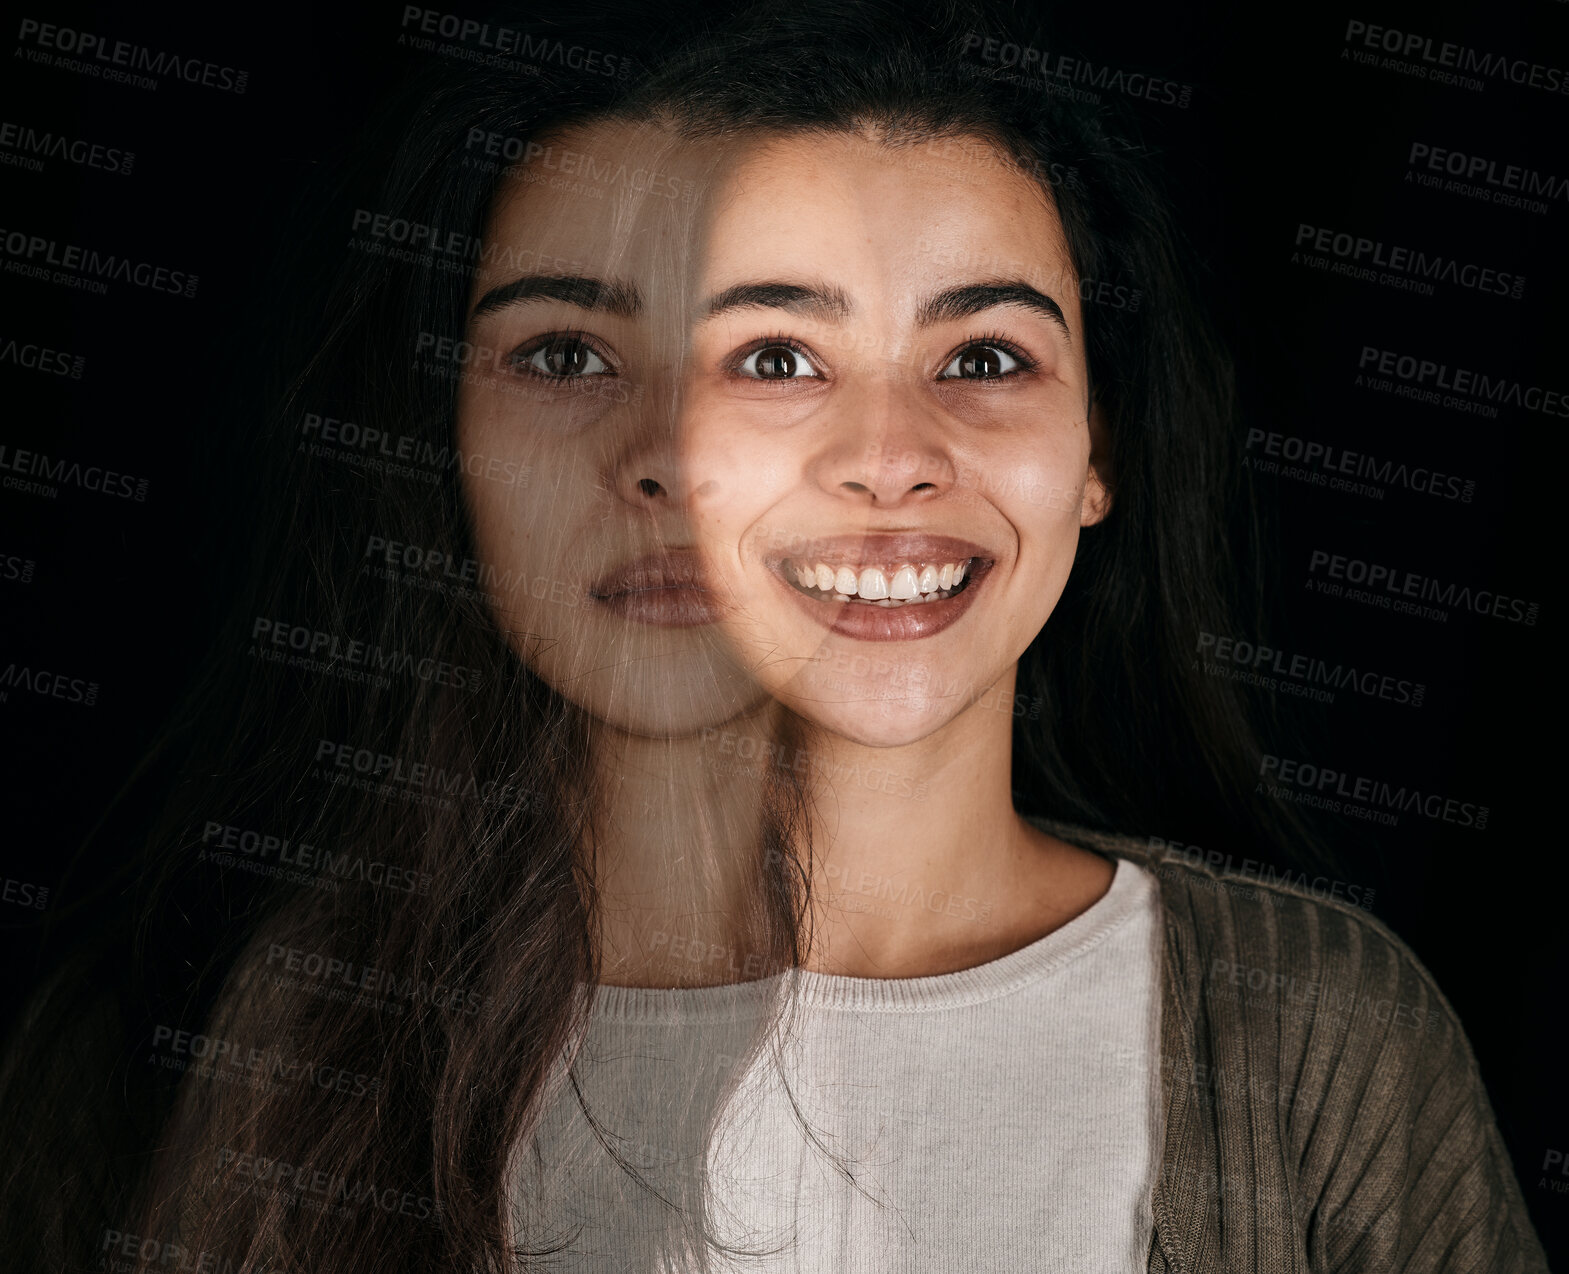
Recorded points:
(653, 712)
(873, 716)
(655, 720)
(649, 682)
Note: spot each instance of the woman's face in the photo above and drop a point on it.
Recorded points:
(578, 319)
(887, 393)
(750, 383)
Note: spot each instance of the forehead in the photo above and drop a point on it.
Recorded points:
(597, 199)
(641, 201)
(955, 187)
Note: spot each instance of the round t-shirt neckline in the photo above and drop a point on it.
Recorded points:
(1005, 975)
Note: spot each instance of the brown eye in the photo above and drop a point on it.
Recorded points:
(777, 362)
(980, 362)
(564, 357)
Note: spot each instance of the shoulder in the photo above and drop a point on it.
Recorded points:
(1293, 1007)
(1283, 937)
(1281, 976)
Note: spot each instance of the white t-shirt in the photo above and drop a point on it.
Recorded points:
(1004, 1117)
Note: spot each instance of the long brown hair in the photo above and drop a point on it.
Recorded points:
(441, 1006)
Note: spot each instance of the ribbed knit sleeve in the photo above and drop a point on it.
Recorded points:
(1327, 1110)
(1398, 1150)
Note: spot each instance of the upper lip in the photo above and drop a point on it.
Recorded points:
(878, 548)
(667, 568)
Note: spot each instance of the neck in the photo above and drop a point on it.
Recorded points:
(675, 856)
(919, 864)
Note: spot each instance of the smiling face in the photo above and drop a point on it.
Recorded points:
(806, 416)
(573, 380)
(887, 448)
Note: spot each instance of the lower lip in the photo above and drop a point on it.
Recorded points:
(909, 622)
(663, 607)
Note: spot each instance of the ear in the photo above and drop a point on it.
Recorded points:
(1096, 501)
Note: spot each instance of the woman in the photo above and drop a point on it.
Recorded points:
(701, 453)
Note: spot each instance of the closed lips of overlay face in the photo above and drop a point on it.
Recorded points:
(883, 446)
(665, 588)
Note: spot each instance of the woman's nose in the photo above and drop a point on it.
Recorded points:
(647, 471)
(885, 447)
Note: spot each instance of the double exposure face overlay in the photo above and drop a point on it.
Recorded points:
(804, 416)
(577, 325)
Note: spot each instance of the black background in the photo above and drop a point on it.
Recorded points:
(1280, 130)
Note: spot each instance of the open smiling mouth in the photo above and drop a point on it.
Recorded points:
(907, 584)
(900, 586)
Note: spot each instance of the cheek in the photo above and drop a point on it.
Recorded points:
(1037, 479)
(1046, 517)
(496, 511)
(1040, 495)
(1045, 503)
(529, 500)
(735, 477)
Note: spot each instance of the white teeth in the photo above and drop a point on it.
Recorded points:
(873, 584)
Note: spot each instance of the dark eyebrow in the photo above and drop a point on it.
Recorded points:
(820, 301)
(815, 301)
(972, 298)
(611, 296)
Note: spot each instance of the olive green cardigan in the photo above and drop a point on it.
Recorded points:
(1323, 1108)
